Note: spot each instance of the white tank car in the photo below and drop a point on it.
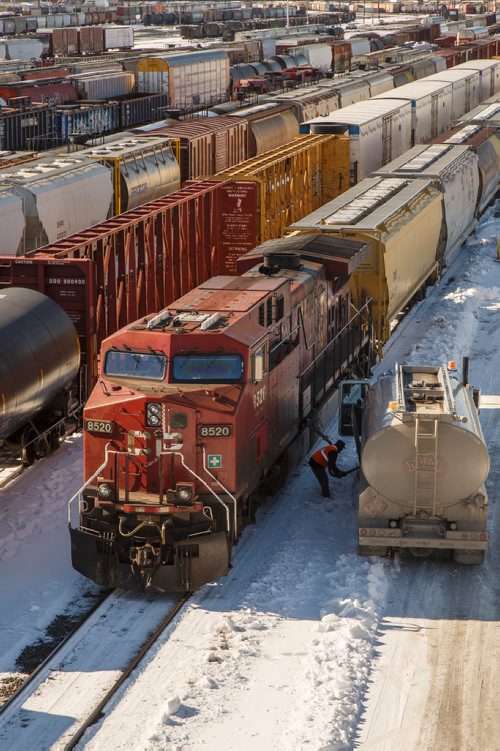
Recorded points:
(424, 463)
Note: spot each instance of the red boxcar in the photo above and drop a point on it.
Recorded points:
(50, 93)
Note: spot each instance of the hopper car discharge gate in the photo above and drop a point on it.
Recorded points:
(423, 462)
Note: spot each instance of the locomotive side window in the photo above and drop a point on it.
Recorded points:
(135, 365)
(269, 310)
(178, 420)
(213, 368)
(262, 315)
(259, 363)
(280, 307)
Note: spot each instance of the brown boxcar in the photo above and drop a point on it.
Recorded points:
(91, 39)
(65, 41)
(207, 145)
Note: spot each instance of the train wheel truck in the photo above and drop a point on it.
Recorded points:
(423, 462)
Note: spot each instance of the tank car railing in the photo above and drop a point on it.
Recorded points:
(333, 361)
(202, 481)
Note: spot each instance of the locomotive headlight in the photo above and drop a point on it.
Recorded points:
(153, 415)
(184, 493)
(105, 491)
(453, 526)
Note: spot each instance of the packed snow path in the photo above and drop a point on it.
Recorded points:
(306, 646)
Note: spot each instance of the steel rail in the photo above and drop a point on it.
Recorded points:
(96, 714)
(32, 676)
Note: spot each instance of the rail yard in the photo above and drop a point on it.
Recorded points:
(215, 257)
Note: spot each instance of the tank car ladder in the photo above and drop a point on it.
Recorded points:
(426, 456)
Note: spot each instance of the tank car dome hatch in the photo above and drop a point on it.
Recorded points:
(339, 255)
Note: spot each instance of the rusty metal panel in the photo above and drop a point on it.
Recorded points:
(207, 145)
(146, 258)
(295, 179)
(70, 283)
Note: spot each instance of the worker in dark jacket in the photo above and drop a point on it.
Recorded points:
(326, 458)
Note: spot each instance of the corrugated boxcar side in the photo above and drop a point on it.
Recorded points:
(86, 119)
(70, 283)
(295, 180)
(65, 42)
(144, 109)
(91, 39)
(207, 145)
(205, 228)
(30, 129)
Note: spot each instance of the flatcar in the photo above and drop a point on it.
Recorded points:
(200, 407)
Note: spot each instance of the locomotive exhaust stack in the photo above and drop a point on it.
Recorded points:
(424, 463)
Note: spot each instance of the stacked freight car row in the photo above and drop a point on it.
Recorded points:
(377, 131)
(409, 222)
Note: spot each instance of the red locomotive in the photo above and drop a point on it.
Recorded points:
(197, 406)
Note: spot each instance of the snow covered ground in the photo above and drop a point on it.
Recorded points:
(304, 645)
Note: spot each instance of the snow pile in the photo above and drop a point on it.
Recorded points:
(36, 501)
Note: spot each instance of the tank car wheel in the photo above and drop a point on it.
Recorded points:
(54, 439)
(29, 451)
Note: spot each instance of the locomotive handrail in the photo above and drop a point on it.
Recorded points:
(205, 467)
(91, 479)
(200, 479)
(339, 334)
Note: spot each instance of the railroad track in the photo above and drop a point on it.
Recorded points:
(68, 692)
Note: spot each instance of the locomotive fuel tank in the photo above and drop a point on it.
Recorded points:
(423, 464)
(39, 356)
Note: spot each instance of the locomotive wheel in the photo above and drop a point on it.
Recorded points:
(29, 449)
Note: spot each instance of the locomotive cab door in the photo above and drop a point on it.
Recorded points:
(351, 401)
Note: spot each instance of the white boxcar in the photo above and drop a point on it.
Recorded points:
(378, 130)
(466, 89)
(60, 197)
(190, 80)
(489, 71)
(318, 55)
(11, 223)
(456, 168)
(431, 102)
(103, 85)
(118, 37)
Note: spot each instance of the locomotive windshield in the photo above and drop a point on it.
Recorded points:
(207, 368)
(135, 365)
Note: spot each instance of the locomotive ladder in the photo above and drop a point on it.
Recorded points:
(426, 453)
